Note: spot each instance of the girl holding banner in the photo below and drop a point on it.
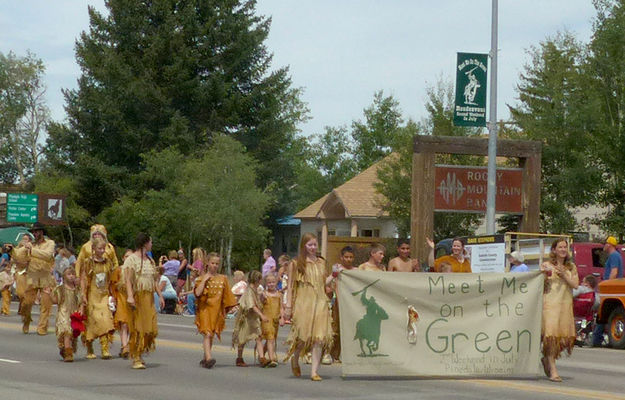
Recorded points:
(311, 328)
(558, 325)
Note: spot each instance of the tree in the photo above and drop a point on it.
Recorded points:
(23, 116)
(557, 107)
(326, 162)
(167, 73)
(607, 75)
(212, 201)
(395, 175)
(381, 131)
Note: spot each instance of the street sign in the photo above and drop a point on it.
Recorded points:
(22, 207)
(470, 104)
(52, 209)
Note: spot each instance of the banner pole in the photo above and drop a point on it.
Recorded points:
(492, 127)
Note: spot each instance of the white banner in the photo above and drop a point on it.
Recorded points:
(432, 324)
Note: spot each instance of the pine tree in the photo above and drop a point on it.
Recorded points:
(163, 73)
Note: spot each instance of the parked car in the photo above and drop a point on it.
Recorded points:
(612, 310)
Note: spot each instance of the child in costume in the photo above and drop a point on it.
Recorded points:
(247, 324)
(123, 313)
(20, 258)
(213, 299)
(95, 285)
(67, 296)
(139, 272)
(272, 308)
(6, 281)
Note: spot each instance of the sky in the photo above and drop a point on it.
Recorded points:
(339, 51)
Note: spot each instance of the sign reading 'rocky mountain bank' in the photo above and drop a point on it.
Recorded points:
(462, 188)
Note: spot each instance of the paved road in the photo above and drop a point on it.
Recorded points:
(30, 368)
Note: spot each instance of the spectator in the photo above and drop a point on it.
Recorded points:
(5, 259)
(269, 267)
(183, 271)
(61, 263)
(171, 266)
(613, 269)
(517, 260)
(199, 260)
(189, 296)
(168, 292)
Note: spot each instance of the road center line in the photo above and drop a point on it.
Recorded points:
(10, 361)
(551, 389)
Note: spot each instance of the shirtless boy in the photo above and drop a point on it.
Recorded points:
(403, 262)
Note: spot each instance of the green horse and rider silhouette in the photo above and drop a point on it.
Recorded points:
(368, 327)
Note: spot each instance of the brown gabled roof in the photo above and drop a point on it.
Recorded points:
(312, 210)
(358, 196)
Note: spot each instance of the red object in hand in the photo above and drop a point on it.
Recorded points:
(335, 274)
(549, 272)
(77, 323)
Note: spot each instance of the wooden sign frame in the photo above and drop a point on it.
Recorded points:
(425, 148)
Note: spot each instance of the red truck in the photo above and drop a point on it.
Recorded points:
(590, 258)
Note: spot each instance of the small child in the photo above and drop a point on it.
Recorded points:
(283, 279)
(247, 324)
(446, 268)
(6, 281)
(67, 296)
(213, 299)
(347, 259)
(272, 308)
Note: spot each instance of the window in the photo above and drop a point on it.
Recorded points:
(370, 232)
(331, 232)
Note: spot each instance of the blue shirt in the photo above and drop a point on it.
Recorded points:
(519, 268)
(613, 261)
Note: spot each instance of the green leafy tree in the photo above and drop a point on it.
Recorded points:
(556, 106)
(167, 73)
(209, 201)
(395, 175)
(23, 116)
(326, 161)
(607, 75)
(380, 132)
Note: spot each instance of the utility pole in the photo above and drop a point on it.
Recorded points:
(492, 127)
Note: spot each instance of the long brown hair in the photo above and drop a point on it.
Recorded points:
(301, 256)
(553, 259)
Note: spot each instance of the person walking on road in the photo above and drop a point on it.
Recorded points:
(311, 328)
(214, 298)
(123, 313)
(38, 277)
(67, 296)
(140, 276)
(558, 324)
(248, 322)
(95, 284)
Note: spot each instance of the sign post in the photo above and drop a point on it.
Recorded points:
(470, 104)
(22, 207)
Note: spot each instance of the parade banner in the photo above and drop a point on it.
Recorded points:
(470, 104)
(406, 324)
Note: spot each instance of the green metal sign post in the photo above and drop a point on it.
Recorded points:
(470, 104)
(22, 207)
